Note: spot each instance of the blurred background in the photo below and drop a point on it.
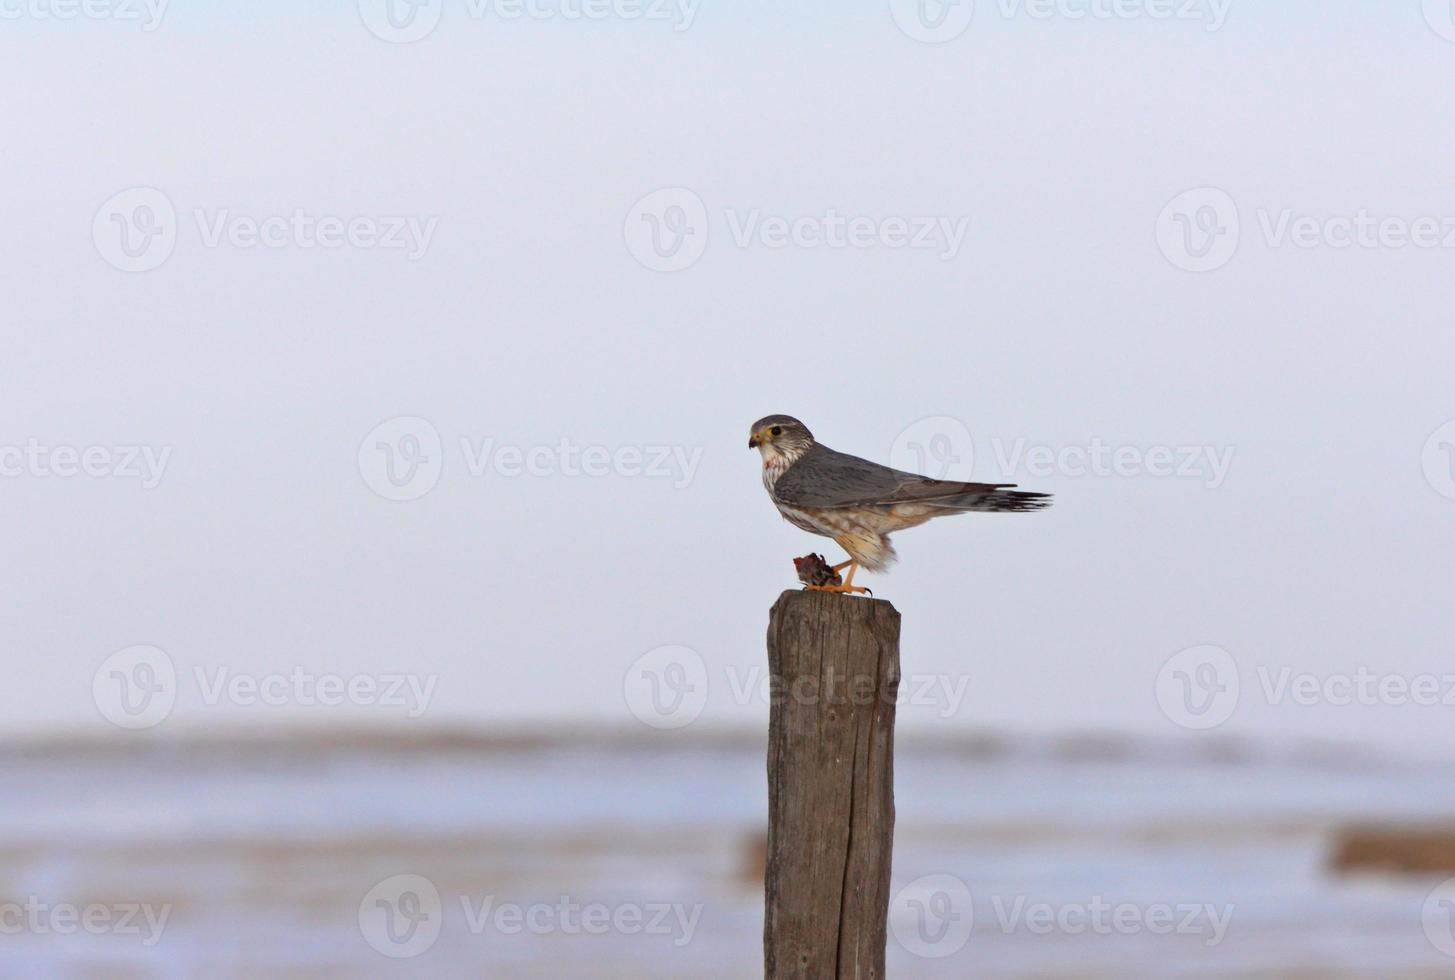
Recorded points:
(388, 576)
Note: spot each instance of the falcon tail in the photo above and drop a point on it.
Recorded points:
(999, 500)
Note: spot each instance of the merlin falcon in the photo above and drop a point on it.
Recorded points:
(859, 503)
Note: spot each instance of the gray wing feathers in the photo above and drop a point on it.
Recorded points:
(823, 477)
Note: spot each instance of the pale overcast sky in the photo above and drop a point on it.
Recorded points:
(239, 242)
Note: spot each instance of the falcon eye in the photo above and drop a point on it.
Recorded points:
(777, 430)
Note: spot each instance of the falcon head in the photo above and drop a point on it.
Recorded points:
(780, 435)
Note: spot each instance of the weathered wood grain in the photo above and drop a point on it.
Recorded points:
(834, 667)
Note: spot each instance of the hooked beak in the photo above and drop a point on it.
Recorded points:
(754, 441)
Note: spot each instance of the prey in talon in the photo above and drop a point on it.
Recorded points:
(817, 575)
(814, 570)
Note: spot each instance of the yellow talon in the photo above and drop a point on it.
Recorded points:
(842, 589)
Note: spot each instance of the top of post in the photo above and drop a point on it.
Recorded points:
(809, 602)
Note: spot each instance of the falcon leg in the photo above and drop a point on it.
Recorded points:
(849, 585)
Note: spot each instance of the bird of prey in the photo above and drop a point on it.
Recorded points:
(859, 503)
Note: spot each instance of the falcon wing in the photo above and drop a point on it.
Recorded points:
(825, 478)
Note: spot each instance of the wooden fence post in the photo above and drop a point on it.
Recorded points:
(834, 667)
